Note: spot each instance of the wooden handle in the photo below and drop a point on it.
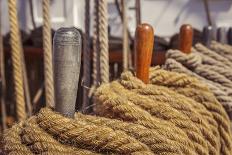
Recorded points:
(186, 38)
(144, 40)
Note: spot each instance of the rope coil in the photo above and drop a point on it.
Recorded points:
(128, 121)
(206, 66)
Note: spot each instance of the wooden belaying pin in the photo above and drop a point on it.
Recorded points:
(66, 66)
(144, 40)
(208, 35)
(229, 36)
(222, 35)
(186, 38)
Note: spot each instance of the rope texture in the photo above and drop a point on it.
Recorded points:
(16, 60)
(103, 41)
(222, 49)
(181, 121)
(207, 66)
(47, 47)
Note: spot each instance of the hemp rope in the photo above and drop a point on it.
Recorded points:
(96, 51)
(47, 47)
(221, 95)
(213, 72)
(103, 41)
(49, 131)
(115, 103)
(222, 49)
(3, 79)
(175, 124)
(16, 61)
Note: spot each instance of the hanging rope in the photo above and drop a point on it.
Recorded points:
(125, 37)
(103, 41)
(86, 58)
(47, 47)
(16, 60)
(3, 80)
(96, 51)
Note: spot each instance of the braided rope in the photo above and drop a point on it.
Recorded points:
(16, 60)
(206, 99)
(182, 121)
(53, 133)
(221, 94)
(222, 49)
(47, 47)
(103, 41)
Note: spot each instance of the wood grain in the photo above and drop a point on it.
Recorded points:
(186, 38)
(144, 40)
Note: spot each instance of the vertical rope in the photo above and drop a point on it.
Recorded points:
(16, 60)
(47, 47)
(96, 52)
(86, 56)
(2, 73)
(103, 40)
(138, 12)
(125, 36)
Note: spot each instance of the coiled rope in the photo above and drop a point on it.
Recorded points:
(47, 47)
(202, 65)
(222, 49)
(16, 60)
(178, 123)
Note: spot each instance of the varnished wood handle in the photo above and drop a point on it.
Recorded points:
(144, 40)
(186, 38)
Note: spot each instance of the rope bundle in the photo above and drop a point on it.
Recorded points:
(207, 66)
(163, 117)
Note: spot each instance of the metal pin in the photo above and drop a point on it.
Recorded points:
(222, 35)
(229, 36)
(66, 65)
(208, 35)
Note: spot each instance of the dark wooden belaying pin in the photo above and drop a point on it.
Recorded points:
(66, 66)
(208, 35)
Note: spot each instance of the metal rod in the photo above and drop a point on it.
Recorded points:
(86, 59)
(66, 64)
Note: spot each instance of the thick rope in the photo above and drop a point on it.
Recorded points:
(53, 133)
(16, 60)
(216, 74)
(103, 41)
(174, 114)
(222, 49)
(47, 47)
(114, 102)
